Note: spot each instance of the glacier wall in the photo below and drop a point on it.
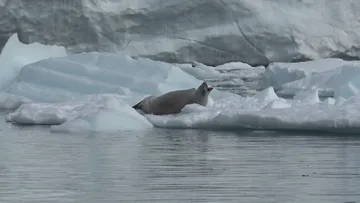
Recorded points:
(212, 32)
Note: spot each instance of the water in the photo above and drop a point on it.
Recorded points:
(177, 166)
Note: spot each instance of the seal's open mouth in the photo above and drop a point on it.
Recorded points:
(209, 89)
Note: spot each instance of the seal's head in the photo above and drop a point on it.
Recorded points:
(202, 94)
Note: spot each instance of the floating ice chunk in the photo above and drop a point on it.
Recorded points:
(350, 88)
(297, 117)
(231, 82)
(238, 102)
(210, 102)
(15, 55)
(278, 104)
(61, 79)
(55, 85)
(240, 70)
(342, 81)
(329, 101)
(307, 97)
(77, 125)
(278, 74)
(40, 114)
(190, 108)
(266, 95)
(340, 101)
(105, 112)
(8, 101)
(237, 66)
(200, 71)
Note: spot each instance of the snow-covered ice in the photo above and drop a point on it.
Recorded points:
(95, 91)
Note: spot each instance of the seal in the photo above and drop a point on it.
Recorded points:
(172, 102)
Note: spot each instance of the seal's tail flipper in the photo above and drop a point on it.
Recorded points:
(137, 106)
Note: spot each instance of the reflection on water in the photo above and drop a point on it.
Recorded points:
(177, 166)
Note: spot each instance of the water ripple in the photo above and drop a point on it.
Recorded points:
(177, 166)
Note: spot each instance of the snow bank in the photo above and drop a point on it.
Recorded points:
(15, 55)
(212, 32)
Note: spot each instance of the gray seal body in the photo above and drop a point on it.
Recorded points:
(173, 102)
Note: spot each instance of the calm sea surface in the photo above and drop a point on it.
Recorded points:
(177, 166)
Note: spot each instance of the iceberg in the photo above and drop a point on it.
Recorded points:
(212, 32)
